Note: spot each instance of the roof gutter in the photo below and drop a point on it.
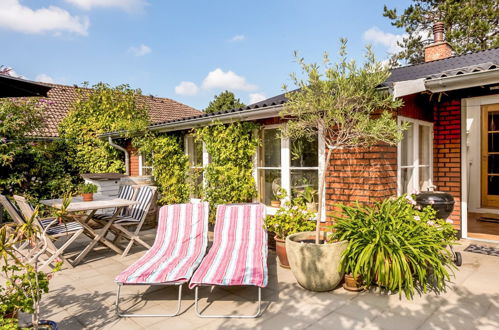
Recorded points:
(127, 156)
(242, 115)
(463, 81)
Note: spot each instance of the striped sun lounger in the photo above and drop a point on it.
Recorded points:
(238, 256)
(178, 249)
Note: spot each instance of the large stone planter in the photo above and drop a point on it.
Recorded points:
(315, 266)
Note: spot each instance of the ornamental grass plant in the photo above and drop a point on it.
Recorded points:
(394, 245)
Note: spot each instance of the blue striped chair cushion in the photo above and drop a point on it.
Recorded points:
(120, 218)
(126, 192)
(144, 199)
(60, 228)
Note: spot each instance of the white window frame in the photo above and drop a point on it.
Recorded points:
(142, 167)
(415, 149)
(206, 156)
(286, 167)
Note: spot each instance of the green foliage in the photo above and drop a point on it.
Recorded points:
(470, 25)
(290, 219)
(229, 175)
(88, 188)
(396, 246)
(343, 104)
(96, 111)
(23, 284)
(170, 166)
(33, 168)
(224, 101)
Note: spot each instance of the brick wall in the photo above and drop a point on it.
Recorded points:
(447, 152)
(364, 175)
(134, 159)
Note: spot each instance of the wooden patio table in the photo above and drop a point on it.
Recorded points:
(100, 202)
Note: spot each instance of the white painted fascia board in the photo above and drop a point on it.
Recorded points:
(463, 81)
(408, 87)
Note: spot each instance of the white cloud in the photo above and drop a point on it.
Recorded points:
(140, 50)
(389, 40)
(237, 37)
(226, 80)
(44, 78)
(127, 5)
(21, 18)
(186, 88)
(256, 97)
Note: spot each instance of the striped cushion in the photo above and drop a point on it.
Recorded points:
(144, 199)
(119, 218)
(125, 192)
(180, 245)
(57, 228)
(239, 252)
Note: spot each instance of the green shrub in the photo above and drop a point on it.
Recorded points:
(396, 246)
(229, 175)
(170, 166)
(290, 219)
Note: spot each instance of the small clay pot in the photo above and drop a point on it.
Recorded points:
(88, 197)
(280, 248)
(352, 283)
(275, 203)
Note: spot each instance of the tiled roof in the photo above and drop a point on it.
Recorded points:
(61, 97)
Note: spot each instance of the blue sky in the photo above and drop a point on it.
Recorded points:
(186, 50)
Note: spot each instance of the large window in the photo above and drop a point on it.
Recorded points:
(194, 149)
(415, 163)
(284, 163)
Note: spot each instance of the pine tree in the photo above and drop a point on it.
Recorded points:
(224, 101)
(470, 25)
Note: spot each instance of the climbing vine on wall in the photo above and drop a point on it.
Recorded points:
(98, 110)
(170, 166)
(229, 174)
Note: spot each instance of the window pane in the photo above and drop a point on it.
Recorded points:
(146, 160)
(424, 178)
(195, 151)
(304, 152)
(406, 180)
(407, 145)
(268, 181)
(303, 178)
(146, 170)
(270, 151)
(424, 145)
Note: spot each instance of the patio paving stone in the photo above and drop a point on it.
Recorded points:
(83, 298)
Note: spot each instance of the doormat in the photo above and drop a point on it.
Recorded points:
(488, 219)
(482, 250)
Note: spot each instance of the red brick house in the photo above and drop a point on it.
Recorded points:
(452, 104)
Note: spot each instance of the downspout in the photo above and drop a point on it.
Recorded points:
(127, 156)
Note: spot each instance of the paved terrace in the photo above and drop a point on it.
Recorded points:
(83, 298)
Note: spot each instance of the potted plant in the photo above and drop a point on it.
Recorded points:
(289, 219)
(308, 196)
(344, 106)
(395, 246)
(87, 191)
(278, 195)
(23, 285)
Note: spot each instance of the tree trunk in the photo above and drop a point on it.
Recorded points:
(322, 184)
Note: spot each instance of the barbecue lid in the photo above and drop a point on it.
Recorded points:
(434, 197)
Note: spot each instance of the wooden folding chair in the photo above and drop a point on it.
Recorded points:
(135, 218)
(71, 231)
(125, 191)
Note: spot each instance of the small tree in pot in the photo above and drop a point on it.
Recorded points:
(344, 105)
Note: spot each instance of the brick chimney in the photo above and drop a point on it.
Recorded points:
(440, 48)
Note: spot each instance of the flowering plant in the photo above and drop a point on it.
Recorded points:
(291, 218)
(396, 246)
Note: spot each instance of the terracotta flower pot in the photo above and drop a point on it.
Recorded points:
(275, 203)
(352, 283)
(88, 197)
(280, 247)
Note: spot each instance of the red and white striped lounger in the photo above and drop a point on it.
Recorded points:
(238, 256)
(178, 249)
